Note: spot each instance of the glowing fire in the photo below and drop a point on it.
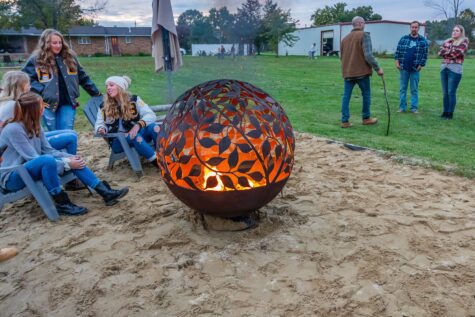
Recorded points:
(220, 186)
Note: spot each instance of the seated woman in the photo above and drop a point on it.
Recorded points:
(26, 144)
(15, 83)
(127, 113)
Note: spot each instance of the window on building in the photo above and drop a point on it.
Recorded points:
(84, 40)
(128, 40)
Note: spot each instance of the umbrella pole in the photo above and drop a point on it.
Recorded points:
(167, 62)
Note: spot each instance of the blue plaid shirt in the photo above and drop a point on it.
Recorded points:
(420, 57)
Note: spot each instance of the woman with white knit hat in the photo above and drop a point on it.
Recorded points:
(123, 112)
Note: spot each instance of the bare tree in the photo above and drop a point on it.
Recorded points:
(447, 8)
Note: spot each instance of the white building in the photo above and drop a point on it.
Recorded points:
(384, 36)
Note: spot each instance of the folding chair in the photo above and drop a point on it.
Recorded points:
(90, 111)
(35, 189)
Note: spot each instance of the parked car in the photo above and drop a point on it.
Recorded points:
(182, 51)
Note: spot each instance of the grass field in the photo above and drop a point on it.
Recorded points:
(310, 91)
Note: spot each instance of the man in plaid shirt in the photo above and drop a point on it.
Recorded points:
(410, 57)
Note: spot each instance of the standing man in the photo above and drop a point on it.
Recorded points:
(357, 63)
(410, 57)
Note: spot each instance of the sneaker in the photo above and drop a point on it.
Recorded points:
(370, 121)
(401, 111)
(345, 125)
(415, 111)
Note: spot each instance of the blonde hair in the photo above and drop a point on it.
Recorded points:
(120, 106)
(44, 55)
(13, 84)
(462, 35)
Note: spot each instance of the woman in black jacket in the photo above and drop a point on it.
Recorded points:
(56, 74)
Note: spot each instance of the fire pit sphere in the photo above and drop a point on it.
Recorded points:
(226, 148)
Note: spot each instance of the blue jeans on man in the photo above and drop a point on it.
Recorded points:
(365, 87)
(61, 119)
(411, 78)
(44, 168)
(450, 82)
(140, 142)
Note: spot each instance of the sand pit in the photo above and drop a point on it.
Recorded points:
(353, 234)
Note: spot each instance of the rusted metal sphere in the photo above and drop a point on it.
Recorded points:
(226, 148)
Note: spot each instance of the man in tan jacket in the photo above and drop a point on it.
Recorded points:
(357, 63)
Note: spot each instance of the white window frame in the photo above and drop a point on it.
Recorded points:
(83, 40)
(128, 40)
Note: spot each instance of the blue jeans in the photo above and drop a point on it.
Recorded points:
(44, 168)
(63, 140)
(450, 82)
(412, 78)
(61, 119)
(140, 142)
(365, 86)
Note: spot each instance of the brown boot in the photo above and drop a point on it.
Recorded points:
(370, 121)
(345, 125)
(7, 253)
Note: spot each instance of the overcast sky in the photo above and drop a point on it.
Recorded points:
(138, 12)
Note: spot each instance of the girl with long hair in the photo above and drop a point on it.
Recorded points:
(26, 144)
(452, 51)
(123, 112)
(56, 74)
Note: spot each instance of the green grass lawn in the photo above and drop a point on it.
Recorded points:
(310, 91)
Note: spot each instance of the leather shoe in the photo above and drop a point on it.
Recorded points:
(345, 125)
(370, 121)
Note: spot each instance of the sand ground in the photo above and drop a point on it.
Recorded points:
(353, 234)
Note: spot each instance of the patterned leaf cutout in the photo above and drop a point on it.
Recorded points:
(190, 182)
(233, 158)
(195, 170)
(276, 127)
(180, 145)
(208, 142)
(254, 134)
(202, 105)
(184, 159)
(224, 144)
(257, 176)
(215, 128)
(230, 107)
(183, 126)
(278, 151)
(210, 118)
(268, 117)
(245, 166)
(266, 148)
(254, 122)
(236, 120)
(179, 173)
(169, 149)
(244, 147)
(243, 181)
(227, 181)
(270, 164)
(211, 182)
(214, 161)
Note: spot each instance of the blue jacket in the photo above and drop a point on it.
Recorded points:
(45, 82)
(420, 57)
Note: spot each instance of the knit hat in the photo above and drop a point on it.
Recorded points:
(121, 81)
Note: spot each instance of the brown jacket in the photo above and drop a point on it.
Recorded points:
(353, 62)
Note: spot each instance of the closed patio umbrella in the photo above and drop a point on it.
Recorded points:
(165, 45)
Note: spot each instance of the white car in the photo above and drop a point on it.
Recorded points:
(182, 51)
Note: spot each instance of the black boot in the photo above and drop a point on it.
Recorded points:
(110, 195)
(450, 115)
(443, 115)
(155, 163)
(65, 206)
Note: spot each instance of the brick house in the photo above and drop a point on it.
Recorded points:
(84, 40)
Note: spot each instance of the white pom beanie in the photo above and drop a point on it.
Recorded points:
(121, 81)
